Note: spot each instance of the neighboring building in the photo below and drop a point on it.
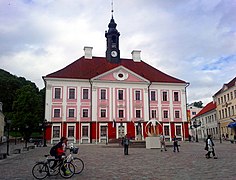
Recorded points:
(2, 122)
(95, 99)
(207, 120)
(225, 100)
(192, 110)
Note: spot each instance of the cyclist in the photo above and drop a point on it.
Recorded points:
(58, 151)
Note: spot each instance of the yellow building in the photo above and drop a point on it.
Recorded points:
(225, 100)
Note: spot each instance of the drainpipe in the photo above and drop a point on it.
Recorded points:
(149, 116)
(91, 86)
(187, 84)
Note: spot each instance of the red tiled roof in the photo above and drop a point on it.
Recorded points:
(228, 85)
(209, 107)
(89, 68)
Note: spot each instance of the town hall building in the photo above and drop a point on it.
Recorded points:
(99, 99)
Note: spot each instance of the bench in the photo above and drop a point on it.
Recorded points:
(25, 148)
(3, 155)
(16, 151)
(31, 147)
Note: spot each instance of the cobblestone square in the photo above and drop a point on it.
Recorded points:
(108, 162)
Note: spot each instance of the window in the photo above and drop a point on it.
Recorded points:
(176, 96)
(121, 113)
(231, 95)
(103, 113)
(228, 96)
(194, 113)
(120, 95)
(153, 96)
(166, 131)
(71, 93)
(177, 114)
(164, 96)
(56, 131)
(138, 113)
(71, 113)
(71, 130)
(85, 93)
(57, 113)
(178, 130)
(221, 99)
(85, 112)
(154, 114)
(137, 95)
(57, 93)
(165, 113)
(220, 114)
(218, 100)
(84, 131)
(103, 93)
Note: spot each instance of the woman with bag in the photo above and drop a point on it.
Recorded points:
(210, 147)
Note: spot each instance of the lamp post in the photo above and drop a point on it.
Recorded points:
(44, 125)
(26, 138)
(195, 125)
(8, 132)
(219, 132)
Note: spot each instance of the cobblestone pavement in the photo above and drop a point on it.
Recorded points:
(109, 163)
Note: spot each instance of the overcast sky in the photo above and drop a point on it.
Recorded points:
(193, 40)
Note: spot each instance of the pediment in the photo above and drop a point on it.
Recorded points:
(120, 74)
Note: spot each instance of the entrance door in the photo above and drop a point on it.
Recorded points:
(121, 131)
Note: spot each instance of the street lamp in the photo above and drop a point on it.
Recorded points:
(26, 138)
(195, 125)
(44, 125)
(8, 132)
(220, 132)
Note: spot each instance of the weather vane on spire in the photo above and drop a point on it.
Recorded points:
(112, 8)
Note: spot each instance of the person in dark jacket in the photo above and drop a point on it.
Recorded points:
(126, 144)
(60, 151)
(210, 147)
(175, 143)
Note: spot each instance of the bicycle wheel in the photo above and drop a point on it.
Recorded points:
(79, 165)
(40, 170)
(67, 170)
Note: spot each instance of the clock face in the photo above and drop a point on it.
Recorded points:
(113, 53)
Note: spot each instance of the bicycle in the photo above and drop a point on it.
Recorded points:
(42, 168)
(77, 162)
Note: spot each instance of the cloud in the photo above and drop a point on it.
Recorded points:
(191, 40)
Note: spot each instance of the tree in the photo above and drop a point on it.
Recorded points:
(198, 104)
(27, 110)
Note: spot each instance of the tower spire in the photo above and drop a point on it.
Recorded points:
(112, 36)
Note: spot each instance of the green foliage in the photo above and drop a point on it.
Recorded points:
(198, 104)
(22, 102)
(27, 110)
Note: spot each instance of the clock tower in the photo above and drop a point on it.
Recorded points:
(112, 35)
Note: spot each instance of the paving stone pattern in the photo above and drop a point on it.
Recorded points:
(108, 162)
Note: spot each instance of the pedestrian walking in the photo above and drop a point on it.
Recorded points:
(163, 142)
(175, 143)
(189, 138)
(210, 147)
(126, 142)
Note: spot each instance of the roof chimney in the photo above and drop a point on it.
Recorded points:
(136, 55)
(88, 52)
